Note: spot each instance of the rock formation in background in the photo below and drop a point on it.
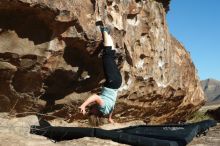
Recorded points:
(49, 59)
(211, 88)
(214, 113)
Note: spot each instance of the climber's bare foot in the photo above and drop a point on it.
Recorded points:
(111, 121)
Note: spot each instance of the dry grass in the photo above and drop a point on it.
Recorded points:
(199, 116)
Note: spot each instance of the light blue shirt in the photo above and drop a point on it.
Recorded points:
(109, 96)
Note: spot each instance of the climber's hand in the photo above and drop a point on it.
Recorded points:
(82, 110)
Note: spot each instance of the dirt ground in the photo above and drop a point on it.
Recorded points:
(212, 138)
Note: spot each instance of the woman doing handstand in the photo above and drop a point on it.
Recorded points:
(106, 100)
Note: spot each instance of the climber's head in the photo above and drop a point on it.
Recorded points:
(95, 116)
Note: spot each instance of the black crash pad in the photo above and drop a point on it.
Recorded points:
(142, 135)
(181, 133)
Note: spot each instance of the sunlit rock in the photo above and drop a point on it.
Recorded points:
(49, 59)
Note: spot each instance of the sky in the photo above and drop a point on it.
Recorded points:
(196, 24)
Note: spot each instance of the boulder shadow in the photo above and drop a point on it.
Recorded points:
(86, 77)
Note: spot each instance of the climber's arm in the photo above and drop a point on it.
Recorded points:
(93, 98)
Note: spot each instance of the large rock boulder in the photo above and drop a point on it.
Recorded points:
(214, 113)
(49, 51)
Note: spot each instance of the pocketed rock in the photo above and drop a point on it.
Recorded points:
(49, 59)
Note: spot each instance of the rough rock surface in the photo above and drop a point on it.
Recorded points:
(214, 113)
(49, 51)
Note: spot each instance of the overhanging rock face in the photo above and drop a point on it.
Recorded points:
(166, 4)
(49, 52)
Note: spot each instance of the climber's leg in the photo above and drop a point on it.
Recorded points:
(111, 71)
(107, 38)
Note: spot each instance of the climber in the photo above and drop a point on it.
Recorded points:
(105, 102)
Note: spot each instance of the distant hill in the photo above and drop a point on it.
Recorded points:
(211, 88)
(217, 98)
